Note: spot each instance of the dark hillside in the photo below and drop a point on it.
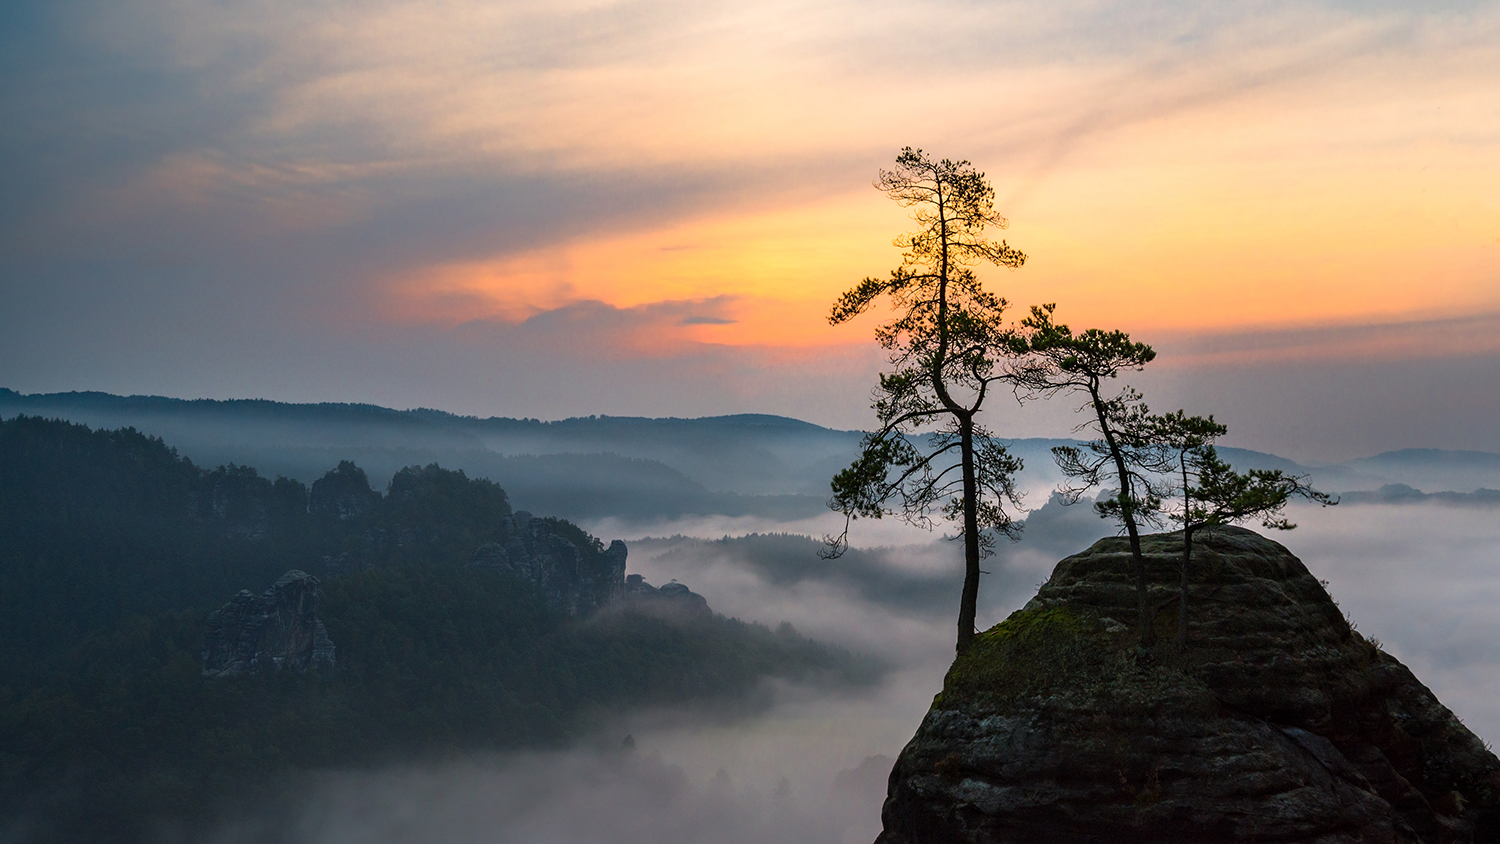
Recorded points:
(247, 422)
(749, 454)
(99, 525)
(115, 551)
(575, 468)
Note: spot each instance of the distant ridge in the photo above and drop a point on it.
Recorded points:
(12, 402)
(85, 398)
(630, 466)
(582, 467)
(1403, 494)
(1430, 453)
(750, 420)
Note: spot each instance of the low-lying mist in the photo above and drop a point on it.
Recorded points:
(620, 796)
(1424, 578)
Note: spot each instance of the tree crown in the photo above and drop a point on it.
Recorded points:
(947, 342)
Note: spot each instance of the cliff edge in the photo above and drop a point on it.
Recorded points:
(1279, 723)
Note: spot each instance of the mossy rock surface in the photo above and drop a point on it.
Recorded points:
(1277, 723)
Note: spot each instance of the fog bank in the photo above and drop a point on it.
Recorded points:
(1423, 578)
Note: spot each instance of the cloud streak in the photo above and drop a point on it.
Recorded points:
(396, 203)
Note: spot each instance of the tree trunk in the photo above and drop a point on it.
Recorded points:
(1187, 550)
(968, 603)
(1127, 515)
(1143, 611)
(1187, 558)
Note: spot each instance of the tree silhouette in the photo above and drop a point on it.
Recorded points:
(1061, 361)
(947, 346)
(1210, 492)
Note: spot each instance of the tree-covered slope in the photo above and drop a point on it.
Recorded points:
(115, 550)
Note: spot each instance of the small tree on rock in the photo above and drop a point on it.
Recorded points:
(1123, 455)
(1211, 493)
(947, 344)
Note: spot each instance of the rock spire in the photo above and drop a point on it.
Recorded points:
(1279, 723)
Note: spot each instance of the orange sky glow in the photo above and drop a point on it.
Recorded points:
(648, 206)
(1267, 188)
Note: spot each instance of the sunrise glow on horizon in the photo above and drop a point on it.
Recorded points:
(1272, 186)
(309, 201)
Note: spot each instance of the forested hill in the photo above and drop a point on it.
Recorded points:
(622, 467)
(114, 550)
(588, 467)
(115, 523)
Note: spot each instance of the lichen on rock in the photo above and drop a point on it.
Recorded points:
(1279, 723)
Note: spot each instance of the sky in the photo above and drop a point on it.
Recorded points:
(647, 207)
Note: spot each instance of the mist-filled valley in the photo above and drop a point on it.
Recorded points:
(643, 422)
(766, 471)
(729, 731)
(1421, 578)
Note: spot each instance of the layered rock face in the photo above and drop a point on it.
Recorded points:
(536, 554)
(277, 629)
(1279, 723)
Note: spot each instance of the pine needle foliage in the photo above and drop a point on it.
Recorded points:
(948, 345)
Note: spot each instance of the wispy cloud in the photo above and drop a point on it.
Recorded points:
(1453, 337)
(194, 196)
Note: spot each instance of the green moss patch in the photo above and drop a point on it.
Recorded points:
(1068, 655)
(1030, 653)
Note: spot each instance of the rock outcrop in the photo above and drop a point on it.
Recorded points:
(1279, 723)
(237, 499)
(674, 601)
(278, 629)
(343, 493)
(531, 550)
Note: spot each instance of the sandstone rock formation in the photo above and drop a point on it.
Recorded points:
(674, 601)
(279, 629)
(344, 493)
(1278, 724)
(532, 551)
(237, 500)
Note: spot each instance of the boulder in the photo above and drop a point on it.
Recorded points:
(1278, 723)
